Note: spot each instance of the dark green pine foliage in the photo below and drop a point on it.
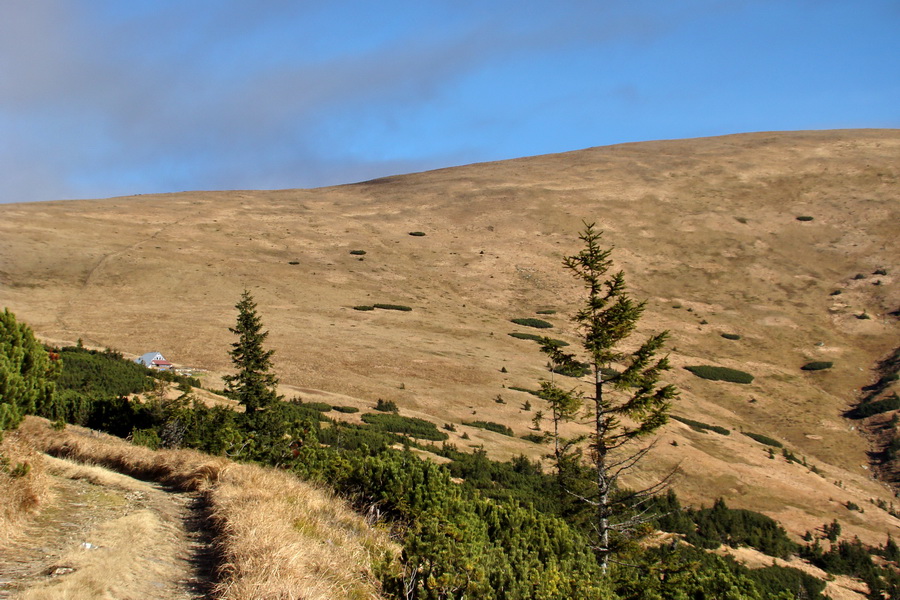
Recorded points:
(623, 406)
(254, 385)
(26, 374)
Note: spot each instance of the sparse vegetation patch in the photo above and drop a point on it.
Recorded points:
(357, 252)
(386, 406)
(538, 338)
(364, 307)
(532, 322)
(412, 426)
(399, 307)
(875, 407)
(817, 365)
(763, 439)
(804, 218)
(417, 233)
(700, 426)
(720, 374)
(491, 426)
(731, 336)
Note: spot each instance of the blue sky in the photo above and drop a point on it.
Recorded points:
(103, 97)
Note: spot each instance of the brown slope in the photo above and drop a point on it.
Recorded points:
(708, 225)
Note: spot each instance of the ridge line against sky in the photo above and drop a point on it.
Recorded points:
(106, 98)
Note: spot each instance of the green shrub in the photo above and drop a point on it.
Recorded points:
(146, 437)
(804, 218)
(364, 307)
(521, 389)
(357, 252)
(412, 426)
(720, 374)
(859, 276)
(532, 322)
(386, 406)
(491, 426)
(879, 272)
(817, 365)
(877, 407)
(536, 438)
(575, 369)
(319, 406)
(393, 307)
(863, 316)
(346, 409)
(417, 233)
(763, 439)
(700, 426)
(731, 336)
(835, 293)
(546, 311)
(294, 262)
(537, 338)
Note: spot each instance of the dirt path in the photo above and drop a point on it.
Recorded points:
(109, 536)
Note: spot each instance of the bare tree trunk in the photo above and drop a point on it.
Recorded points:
(600, 451)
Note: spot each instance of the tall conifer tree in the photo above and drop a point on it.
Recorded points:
(625, 402)
(254, 384)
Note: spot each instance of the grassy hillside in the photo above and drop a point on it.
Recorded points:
(707, 231)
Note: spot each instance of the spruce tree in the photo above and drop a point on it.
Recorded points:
(254, 385)
(625, 402)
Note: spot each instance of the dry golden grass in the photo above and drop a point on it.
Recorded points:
(286, 539)
(707, 225)
(278, 537)
(22, 494)
(120, 563)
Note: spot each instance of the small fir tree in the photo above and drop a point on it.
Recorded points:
(624, 405)
(254, 384)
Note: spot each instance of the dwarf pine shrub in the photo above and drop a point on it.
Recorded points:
(701, 426)
(400, 307)
(720, 374)
(817, 365)
(491, 426)
(538, 338)
(763, 439)
(532, 322)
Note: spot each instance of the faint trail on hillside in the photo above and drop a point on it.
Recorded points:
(98, 265)
(112, 536)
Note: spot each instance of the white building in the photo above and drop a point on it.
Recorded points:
(155, 360)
